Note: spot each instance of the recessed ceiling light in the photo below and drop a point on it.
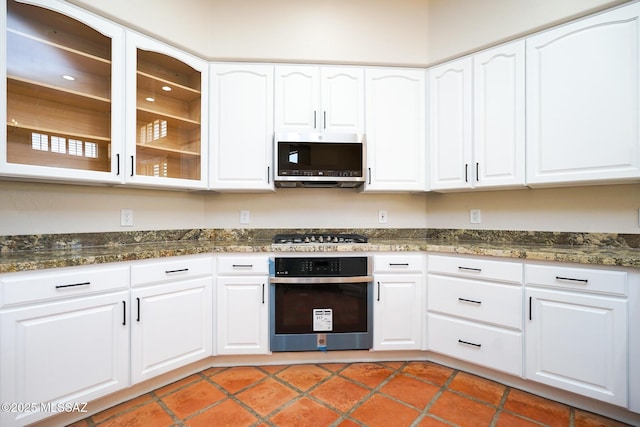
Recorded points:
(150, 99)
(68, 77)
(166, 88)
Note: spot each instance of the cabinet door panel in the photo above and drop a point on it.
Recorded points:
(342, 99)
(395, 129)
(583, 100)
(578, 343)
(498, 119)
(450, 125)
(69, 351)
(296, 98)
(242, 322)
(241, 126)
(63, 81)
(397, 312)
(167, 144)
(171, 326)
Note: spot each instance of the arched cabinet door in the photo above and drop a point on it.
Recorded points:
(583, 100)
(166, 138)
(64, 89)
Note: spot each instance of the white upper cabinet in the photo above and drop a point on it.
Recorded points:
(476, 120)
(167, 108)
(61, 93)
(395, 129)
(241, 127)
(583, 100)
(450, 130)
(319, 99)
(499, 116)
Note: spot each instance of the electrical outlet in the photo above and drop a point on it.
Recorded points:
(474, 216)
(244, 217)
(382, 217)
(126, 217)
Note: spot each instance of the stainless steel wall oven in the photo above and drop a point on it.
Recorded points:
(321, 303)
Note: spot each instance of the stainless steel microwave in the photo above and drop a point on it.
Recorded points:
(319, 160)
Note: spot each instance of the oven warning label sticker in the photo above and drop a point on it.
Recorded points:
(322, 319)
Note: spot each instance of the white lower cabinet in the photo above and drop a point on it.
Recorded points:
(70, 347)
(577, 340)
(171, 314)
(171, 325)
(242, 305)
(398, 308)
(475, 311)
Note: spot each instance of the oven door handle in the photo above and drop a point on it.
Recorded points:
(321, 280)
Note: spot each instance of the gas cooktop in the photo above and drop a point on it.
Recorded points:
(318, 238)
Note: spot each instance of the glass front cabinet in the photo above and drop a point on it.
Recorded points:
(89, 101)
(166, 101)
(63, 81)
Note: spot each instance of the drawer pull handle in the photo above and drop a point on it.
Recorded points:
(378, 291)
(73, 285)
(469, 300)
(263, 293)
(138, 318)
(242, 265)
(398, 264)
(180, 270)
(571, 279)
(470, 269)
(470, 343)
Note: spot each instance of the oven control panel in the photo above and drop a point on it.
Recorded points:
(321, 266)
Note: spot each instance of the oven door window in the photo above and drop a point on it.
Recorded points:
(295, 305)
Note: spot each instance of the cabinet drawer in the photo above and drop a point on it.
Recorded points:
(409, 263)
(243, 265)
(502, 271)
(576, 278)
(486, 302)
(173, 268)
(483, 345)
(61, 283)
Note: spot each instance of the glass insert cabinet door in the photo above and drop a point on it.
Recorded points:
(168, 133)
(59, 97)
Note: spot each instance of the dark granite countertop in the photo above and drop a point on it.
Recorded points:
(24, 253)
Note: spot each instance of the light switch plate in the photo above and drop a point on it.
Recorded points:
(474, 216)
(126, 217)
(382, 217)
(244, 217)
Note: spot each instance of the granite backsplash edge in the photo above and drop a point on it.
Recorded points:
(44, 242)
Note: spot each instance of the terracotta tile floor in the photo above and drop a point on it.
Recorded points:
(350, 394)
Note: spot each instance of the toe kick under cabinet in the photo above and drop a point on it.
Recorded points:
(475, 311)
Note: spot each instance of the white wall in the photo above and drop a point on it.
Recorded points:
(611, 209)
(354, 31)
(28, 208)
(462, 26)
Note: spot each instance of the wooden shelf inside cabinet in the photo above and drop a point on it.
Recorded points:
(49, 110)
(43, 147)
(168, 150)
(52, 65)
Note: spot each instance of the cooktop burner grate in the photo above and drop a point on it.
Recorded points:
(318, 238)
